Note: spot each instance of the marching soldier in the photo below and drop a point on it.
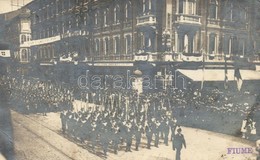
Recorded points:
(155, 130)
(149, 135)
(138, 135)
(104, 138)
(166, 130)
(115, 138)
(129, 137)
(93, 135)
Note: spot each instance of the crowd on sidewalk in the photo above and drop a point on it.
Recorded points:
(34, 96)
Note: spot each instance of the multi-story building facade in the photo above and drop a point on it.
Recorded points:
(58, 29)
(117, 30)
(17, 31)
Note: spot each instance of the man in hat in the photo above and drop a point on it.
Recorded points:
(178, 141)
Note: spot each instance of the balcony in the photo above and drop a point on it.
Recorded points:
(188, 19)
(146, 20)
(128, 24)
(214, 23)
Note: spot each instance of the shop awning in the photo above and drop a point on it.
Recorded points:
(218, 74)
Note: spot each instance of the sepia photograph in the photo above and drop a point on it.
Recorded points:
(130, 80)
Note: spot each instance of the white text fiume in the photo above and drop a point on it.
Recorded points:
(239, 150)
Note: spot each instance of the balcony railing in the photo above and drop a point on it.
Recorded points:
(214, 22)
(235, 25)
(190, 19)
(146, 20)
(127, 24)
(116, 26)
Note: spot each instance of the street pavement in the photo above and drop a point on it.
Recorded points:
(39, 137)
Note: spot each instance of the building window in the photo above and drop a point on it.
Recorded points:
(187, 7)
(105, 17)
(116, 45)
(128, 11)
(24, 56)
(96, 19)
(47, 12)
(235, 45)
(181, 5)
(97, 46)
(85, 19)
(242, 47)
(147, 6)
(213, 9)
(77, 22)
(70, 24)
(23, 39)
(116, 14)
(191, 7)
(127, 44)
(106, 46)
(212, 43)
(228, 11)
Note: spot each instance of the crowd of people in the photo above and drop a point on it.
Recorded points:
(34, 96)
(123, 115)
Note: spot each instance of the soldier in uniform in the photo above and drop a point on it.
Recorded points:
(93, 135)
(129, 137)
(155, 130)
(149, 135)
(104, 138)
(115, 138)
(166, 130)
(173, 125)
(138, 135)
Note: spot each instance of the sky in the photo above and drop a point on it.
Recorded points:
(6, 5)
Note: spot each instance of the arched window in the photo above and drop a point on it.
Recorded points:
(116, 14)
(116, 45)
(106, 46)
(96, 18)
(213, 9)
(97, 46)
(106, 11)
(128, 10)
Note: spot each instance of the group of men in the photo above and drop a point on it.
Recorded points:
(110, 129)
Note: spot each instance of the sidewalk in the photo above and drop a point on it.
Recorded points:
(201, 144)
